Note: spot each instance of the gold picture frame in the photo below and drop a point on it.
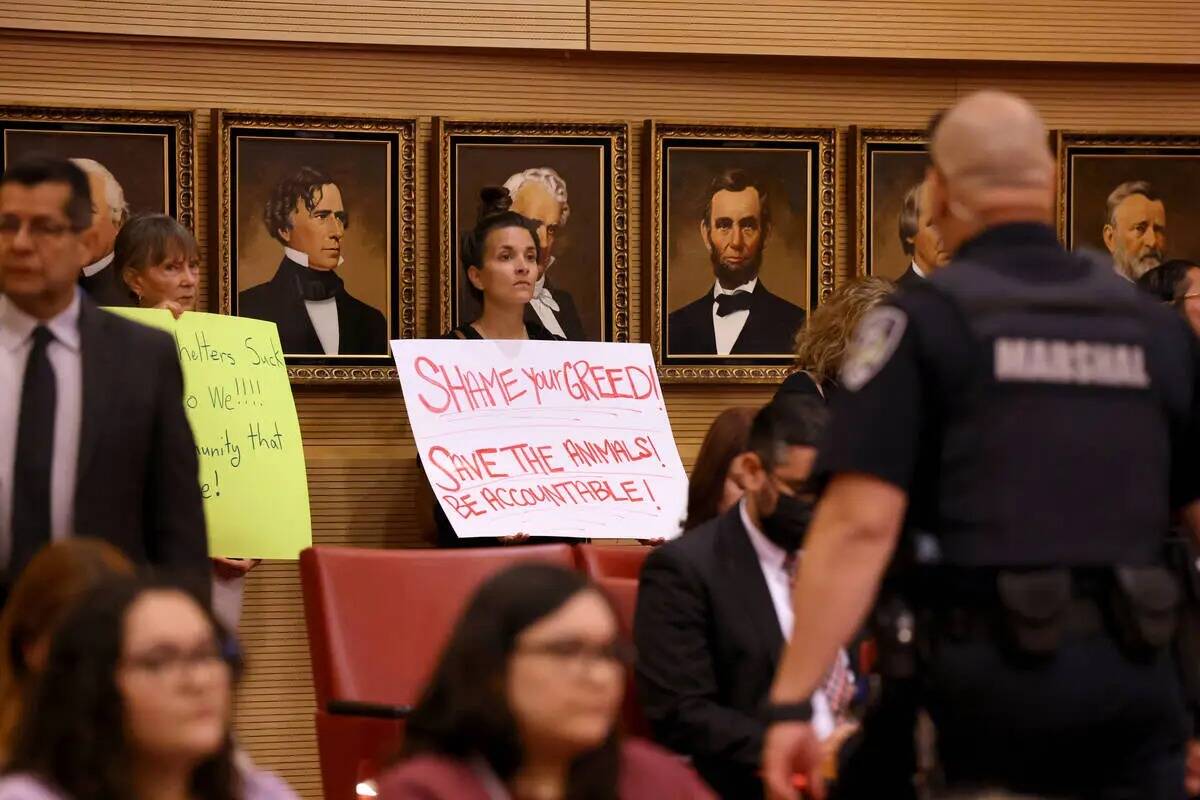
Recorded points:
(887, 163)
(1093, 164)
(39, 126)
(372, 161)
(693, 159)
(589, 163)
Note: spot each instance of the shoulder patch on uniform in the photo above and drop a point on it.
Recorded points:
(872, 345)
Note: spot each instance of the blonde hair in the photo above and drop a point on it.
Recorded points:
(822, 343)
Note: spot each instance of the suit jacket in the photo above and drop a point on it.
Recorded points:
(770, 328)
(708, 641)
(909, 277)
(361, 328)
(107, 288)
(137, 483)
(646, 773)
(567, 314)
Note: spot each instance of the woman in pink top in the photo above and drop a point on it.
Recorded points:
(135, 701)
(524, 704)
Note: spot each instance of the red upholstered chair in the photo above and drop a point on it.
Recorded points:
(612, 560)
(623, 593)
(377, 621)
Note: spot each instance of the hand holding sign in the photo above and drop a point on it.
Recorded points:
(544, 438)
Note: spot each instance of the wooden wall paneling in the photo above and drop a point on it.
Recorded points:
(1020, 30)
(361, 458)
(558, 24)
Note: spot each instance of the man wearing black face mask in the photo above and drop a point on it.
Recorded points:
(714, 607)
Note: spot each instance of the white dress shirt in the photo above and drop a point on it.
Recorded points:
(729, 327)
(97, 266)
(920, 272)
(322, 313)
(545, 306)
(773, 560)
(16, 341)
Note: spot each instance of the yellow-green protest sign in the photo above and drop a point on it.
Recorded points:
(239, 402)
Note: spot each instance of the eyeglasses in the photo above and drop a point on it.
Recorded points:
(577, 653)
(40, 229)
(168, 663)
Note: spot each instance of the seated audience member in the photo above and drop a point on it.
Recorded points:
(524, 703)
(93, 436)
(135, 702)
(1176, 282)
(714, 487)
(157, 258)
(821, 346)
(714, 609)
(54, 580)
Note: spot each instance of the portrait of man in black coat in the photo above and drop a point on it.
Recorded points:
(306, 297)
(738, 316)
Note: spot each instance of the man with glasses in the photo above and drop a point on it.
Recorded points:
(93, 437)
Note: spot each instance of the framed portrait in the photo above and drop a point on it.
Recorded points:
(571, 178)
(890, 239)
(317, 234)
(740, 231)
(137, 161)
(1130, 195)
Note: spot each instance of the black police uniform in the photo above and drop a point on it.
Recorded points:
(1039, 413)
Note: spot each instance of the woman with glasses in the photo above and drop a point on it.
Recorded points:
(135, 702)
(524, 704)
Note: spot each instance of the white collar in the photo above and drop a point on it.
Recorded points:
(768, 552)
(302, 258)
(748, 286)
(920, 272)
(16, 326)
(93, 268)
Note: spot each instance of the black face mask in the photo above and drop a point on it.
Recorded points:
(787, 524)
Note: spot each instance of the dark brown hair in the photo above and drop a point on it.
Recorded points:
(49, 586)
(37, 169)
(726, 437)
(738, 180)
(495, 212)
(150, 239)
(304, 185)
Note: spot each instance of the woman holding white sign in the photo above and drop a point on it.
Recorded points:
(159, 261)
(501, 256)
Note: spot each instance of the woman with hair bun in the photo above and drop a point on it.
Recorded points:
(501, 256)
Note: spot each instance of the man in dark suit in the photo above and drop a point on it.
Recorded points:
(920, 238)
(93, 437)
(306, 298)
(738, 316)
(109, 214)
(714, 610)
(540, 194)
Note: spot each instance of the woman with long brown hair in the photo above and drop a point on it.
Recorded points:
(713, 487)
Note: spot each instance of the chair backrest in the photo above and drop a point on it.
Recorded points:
(378, 619)
(612, 560)
(623, 593)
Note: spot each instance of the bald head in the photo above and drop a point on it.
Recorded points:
(992, 149)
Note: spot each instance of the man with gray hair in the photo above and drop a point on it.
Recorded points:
(109, 213)
(540, 194)
(1136, 230)
(920, 239)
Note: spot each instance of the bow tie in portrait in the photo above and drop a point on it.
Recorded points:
(729, 303)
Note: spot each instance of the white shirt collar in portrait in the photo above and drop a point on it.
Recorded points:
(920, 272)
(64, 353)
(97, 266)
(729, 327)
(544, 304)
(322, 313)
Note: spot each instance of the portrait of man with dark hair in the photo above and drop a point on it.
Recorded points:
(307, 298)
(738, 315)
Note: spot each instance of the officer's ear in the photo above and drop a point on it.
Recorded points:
(749, 471)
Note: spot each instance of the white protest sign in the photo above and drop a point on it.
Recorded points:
(544, 438)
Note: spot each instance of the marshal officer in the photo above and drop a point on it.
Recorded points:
(1036, 416)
